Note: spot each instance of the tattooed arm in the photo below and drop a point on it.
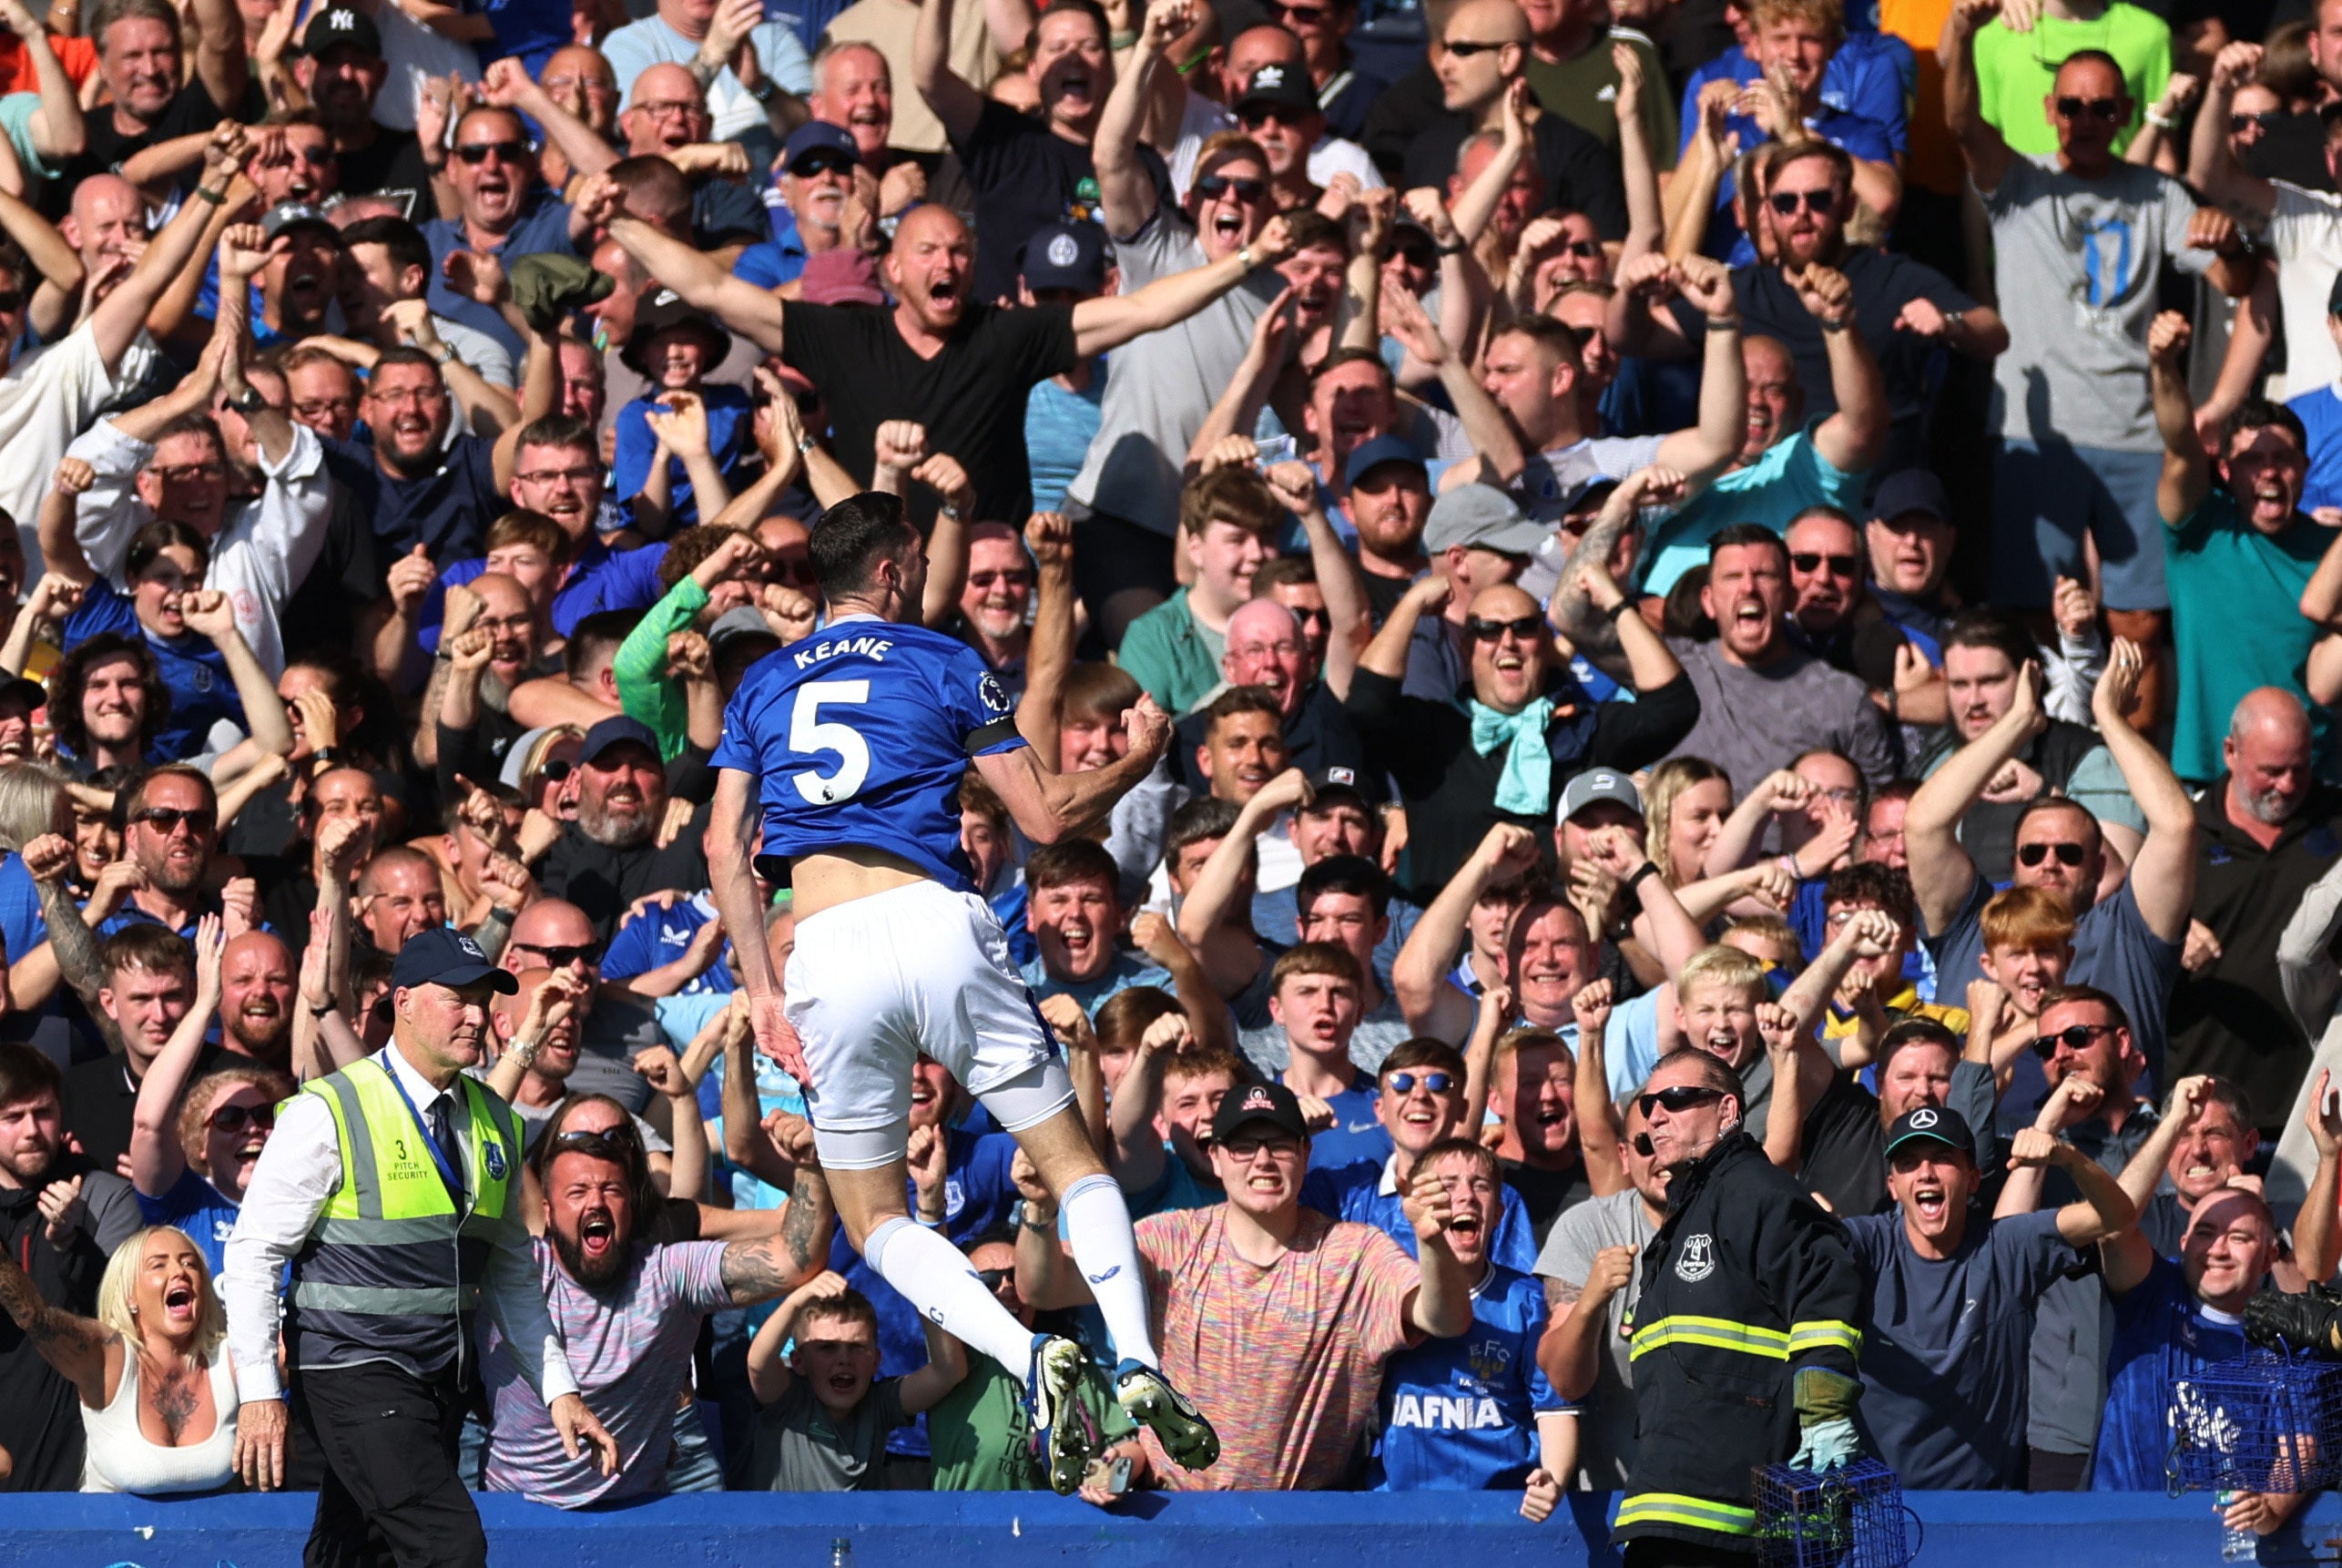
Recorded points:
(86, 1353)
(71, 941)
(773, 1265)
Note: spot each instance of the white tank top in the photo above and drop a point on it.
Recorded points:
(121, 1458)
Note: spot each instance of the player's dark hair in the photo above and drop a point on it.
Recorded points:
(848, 542)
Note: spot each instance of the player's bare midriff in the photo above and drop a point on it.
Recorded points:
(832, 877)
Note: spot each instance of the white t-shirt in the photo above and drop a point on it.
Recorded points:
(2306, 231)
(46, 399)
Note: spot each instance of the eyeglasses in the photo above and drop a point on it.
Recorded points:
(617, 1143)
(1404, 1083)
(822, 162)
(1245, 1150)
(320, 407)
(592, 86)
(1678, 1098)
(583, 475)
(659, 108)
(1007, 577)
(191, 473)
(234, 1119)
(165, 820)
(429, 393)
(479, 152)
(1521, 627)
(588, 952)
(1212, 187)
(993, 1278)
(2073, 1037)
(2067, 854)
(1814, 560)
(1465, 48)
(1819, 202)
(2106, 109)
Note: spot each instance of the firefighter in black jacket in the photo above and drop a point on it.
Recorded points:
(1746, 1332)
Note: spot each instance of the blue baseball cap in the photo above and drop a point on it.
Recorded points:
(1372, 455)
(440, 956)
(617, 732)
(818, 135)
(1064, 256)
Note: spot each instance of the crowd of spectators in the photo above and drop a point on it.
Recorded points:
(1714, 526)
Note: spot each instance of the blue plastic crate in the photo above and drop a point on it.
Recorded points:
(1851, 1517)
(2262, 1422)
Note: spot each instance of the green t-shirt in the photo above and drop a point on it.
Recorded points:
(2237, 623)
(1584, 90)
(2015, 71)
(979, 1436)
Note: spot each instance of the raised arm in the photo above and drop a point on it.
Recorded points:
(1127, 194)
(1109, 322)
(122, 314)
(2187, 468)
(771, 1265)
(2212, 166)
(1047, 805)
(1569, 1353)
(1941, 873)
(1599, 1129)
(1707, 448)
(703, 284)
(57, 295)
(212, 614)
(1348, 614)
(1221, 882)
(1637, 159)
(957, 103)
(1987, 156)
(1476, 203)
(78, 1348)
(58, 132)
(1495, 439)
(219, 62)
(2162, 873)
(2106, 1207)
(1135, 1151)
(157, 1158)
(1049, 653)
(2317, 1226)
(1442, 1308)
(1853, 439)
(1419, 974)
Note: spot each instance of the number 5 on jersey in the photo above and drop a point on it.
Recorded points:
(807, 733)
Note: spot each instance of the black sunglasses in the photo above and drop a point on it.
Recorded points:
(2106, 109)
(822, 162)
(1465, 48)
(165, 820)
(1787, 202)
(2073, 1037)
(1678, 1097)
(2067, 854)
(562, 957)
(478, 152)
(11, 301)
(2239, 124)
(1583, 249)
(1521, 627)
(1404, 1083)
(1256, 114)
(1813, 560)
(993, 1278)
(234, 1119)
(1212, 187)
(1643, 1145)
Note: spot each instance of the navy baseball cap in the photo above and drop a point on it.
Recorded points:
(1372, 455)
(1913, 490)
(616, 732)
(1064, 256)
(819, 135)
(1287, 86)
(1939, 1124)
(439, 956)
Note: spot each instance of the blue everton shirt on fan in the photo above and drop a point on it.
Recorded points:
(861, 734)
(1354, 1136)
(2161, 1334)
(1461, 1414)
(598, 578)
(1366, 1192)
(194, 672)
(658, 936)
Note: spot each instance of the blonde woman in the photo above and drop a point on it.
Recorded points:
(157, 1394)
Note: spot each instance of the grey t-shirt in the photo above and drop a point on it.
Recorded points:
(1164, 385)
(1944, 1356)
(1754, 721)
(801, 1447)
(1607, 1424)
(616, 1031)
(2078, 261)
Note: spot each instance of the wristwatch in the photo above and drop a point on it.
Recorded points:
(444, 353)
(764, 89)
(248, 401)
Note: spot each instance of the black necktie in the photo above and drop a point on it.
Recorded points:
(443, 1132)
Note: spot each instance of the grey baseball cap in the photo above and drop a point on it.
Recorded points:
(1482, 516)
(1598, 784)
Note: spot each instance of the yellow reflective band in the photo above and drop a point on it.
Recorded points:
(1716, 1333)
(1697, 1513)
(1825, 1334)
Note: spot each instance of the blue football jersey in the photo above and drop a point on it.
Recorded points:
(860, 734)
(1461, 1414)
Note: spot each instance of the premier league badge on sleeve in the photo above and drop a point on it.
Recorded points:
(995, 695)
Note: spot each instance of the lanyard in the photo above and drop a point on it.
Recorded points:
(438, 1156)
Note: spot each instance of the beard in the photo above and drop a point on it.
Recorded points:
(613, 830)
(600, 1276)
(2271, 807)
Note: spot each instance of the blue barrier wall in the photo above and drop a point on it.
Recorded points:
(905, 1530)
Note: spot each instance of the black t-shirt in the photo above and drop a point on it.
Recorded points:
(1383, 594)
(1405, 111)
(1884, 281)
(1846, 1149)
(104, 148)
(1580, 174)
(1026, 175)
(2293, 149)
(971, 397)
(391, 166)
(447, 511)
(1543, 1193)
(99, 1099)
